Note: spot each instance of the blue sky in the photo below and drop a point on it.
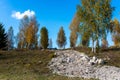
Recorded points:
(50, 13)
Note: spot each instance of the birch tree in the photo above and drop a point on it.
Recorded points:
(95, 16)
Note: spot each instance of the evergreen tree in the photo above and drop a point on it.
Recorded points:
(3, 37)
(61, 38)
(44, 38)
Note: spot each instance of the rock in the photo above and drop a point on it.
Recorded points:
(100, 61)
(95, 61)
(94, 58)
(74, 64)
(85, 58)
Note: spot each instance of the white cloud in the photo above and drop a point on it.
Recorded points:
(18, 15)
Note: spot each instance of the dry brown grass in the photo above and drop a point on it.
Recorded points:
(28, 65)
(109, 53)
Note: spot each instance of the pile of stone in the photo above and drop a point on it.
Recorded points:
(75, 64)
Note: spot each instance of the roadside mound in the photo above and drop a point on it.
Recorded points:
(75, 64)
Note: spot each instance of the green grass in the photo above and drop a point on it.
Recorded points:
(28, 65)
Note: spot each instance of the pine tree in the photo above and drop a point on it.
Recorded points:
(61, 38)
(44, 37)
(3, 37)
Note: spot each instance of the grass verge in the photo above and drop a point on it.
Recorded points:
(28, 65)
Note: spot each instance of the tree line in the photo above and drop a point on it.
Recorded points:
(28, 36)
(92, 22)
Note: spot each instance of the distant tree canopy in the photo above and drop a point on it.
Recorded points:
(73, 39)
(3, 37)
(115, 29)
(74, 27)
(28, 33)
(61, 38)
(92, 22)
(94, 17)
(10, 35)
(44, 37)
(50, 43)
